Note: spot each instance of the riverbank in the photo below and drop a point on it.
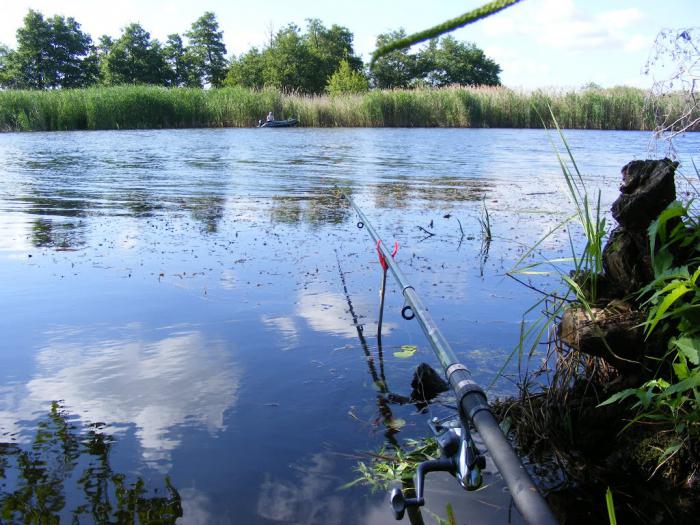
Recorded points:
(150, 107)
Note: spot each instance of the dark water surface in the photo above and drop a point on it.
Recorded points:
(173, 313)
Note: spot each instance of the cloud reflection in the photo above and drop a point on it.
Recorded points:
(330, 313)
(305, 500)
(156, 386)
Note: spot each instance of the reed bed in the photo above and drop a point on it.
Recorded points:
(140, 107)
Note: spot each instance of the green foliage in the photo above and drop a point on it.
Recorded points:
(288, 64)
(393, 464)
(449, 61)
(135, 59)
(397, 69)
(346, 80)
(50, 53)
(181, 63)
(330, 47)
(207, 50)
(120, 107)
(673, 302)
(247, 71)
(297, 61)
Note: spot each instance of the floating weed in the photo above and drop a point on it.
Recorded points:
(406, 351)
(392, 464)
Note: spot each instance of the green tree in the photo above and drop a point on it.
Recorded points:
(208, 49)
(181, 63)
(72, 54)
(51, 53)
(5, 72)
(346, 80)
(449, 61)
(397, 69)
(134, 59)
(288, 63)
(329, 48)
(247, 71)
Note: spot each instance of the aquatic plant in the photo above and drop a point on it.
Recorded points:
(142, 107)
(394, 464)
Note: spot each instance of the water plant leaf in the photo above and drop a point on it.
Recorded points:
(406, 351)
(396, 423)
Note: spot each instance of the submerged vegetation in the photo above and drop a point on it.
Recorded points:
(140, 107)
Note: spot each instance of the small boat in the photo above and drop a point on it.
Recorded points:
(278, 123)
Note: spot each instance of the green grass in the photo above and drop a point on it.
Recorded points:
(139, 107)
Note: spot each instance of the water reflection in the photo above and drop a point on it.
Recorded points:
(207, 210)
(59, 201)
(404, 192)
(327, 312)
(157, 386)
(309, 499)
(47, 233)
(322, 208)
(66, 472)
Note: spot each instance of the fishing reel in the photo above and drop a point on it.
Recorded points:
(460, 457)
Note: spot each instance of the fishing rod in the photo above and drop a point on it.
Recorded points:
(460, 456)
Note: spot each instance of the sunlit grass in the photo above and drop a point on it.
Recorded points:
(138, 107)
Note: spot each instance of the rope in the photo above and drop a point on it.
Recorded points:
(449, 25)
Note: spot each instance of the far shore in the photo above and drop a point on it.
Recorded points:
(152, 107)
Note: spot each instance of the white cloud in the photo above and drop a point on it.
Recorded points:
(638, 43)
(561, 25)
(515, 66)
(183, 378)
(621, 18)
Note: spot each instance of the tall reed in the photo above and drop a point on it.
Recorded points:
(138, 107)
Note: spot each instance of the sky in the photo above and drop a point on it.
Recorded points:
(537, 43)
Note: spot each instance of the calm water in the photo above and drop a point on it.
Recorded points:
(173, 312)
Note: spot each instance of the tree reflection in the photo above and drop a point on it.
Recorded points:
(314, 210)
(63, 464)
(47, 233)
(207, 209)
(401, 192)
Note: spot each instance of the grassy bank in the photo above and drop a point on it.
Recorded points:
(138, 107)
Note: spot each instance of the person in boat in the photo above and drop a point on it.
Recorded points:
(270, 117)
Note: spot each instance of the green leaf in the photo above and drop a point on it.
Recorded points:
(671, 298)
(671, 450)
(691, 382)
(681, 370)
(688, 346)
(624, 394)
(611, 507)
(406, 351)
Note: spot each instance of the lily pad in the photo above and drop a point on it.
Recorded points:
(406, 351)
(396, 423)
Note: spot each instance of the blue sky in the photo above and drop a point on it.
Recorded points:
(538, 43)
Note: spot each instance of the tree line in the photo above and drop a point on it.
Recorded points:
(54, 52)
